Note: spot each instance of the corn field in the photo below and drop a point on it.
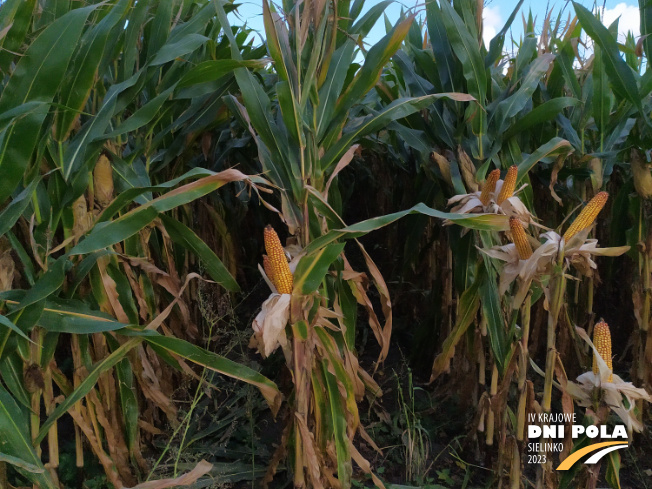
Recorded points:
(318, 258)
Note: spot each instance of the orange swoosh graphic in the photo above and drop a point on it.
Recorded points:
(575, 456)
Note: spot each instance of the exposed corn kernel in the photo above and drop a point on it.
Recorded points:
(103, 181)
(279, 269)
(587, 216)
(602, 342)
(520, 239)
(489, 186)
(268, 269)
(509, 184)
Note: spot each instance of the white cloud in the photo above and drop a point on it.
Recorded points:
(492, 23)
(629, 19)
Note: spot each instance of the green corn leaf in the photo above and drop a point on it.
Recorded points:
(15, 442)
(512, 105)
(10, 214)
(396, 110)
(84, 68)
(496, 44)
(86, 385)
(212, 70)
(312, 268)
(368, 76)
(11, 369)
(186, 237)
(601, 94)
(219, 364)
(489, 222)
(338, 418)
(4, 321)
(545, 112)
(554, 147)
(620, 74)
(182, 47)
(36, 78)
(19, 15)
(492, 311)
(466, 48)
(467, 310)
(109, 233)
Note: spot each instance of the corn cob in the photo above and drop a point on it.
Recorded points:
(267, 267)
(489, 186)
(520, 239)
(268, 270)
(602, 342)
(279, 269)
(587, 216)
(103, 181)
(509, 184)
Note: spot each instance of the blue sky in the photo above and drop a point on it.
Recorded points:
(496, 13)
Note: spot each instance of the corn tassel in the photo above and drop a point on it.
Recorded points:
(509, 184)
(489, 186)
(520, 238)
(279, 269)
(587, 216)
(602, 342)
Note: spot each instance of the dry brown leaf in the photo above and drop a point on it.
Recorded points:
(364, 464)
(143, 309)
(114, 439)
(200, 470)
(79, 416)
(383, 336)
(111, 290)
(311, 461)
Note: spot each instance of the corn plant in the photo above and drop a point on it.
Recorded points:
(100, 105)
(530, 99)
(305, 127)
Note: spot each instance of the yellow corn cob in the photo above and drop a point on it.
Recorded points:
(103, 181)
(268, 270)
(279, 268)
(489, 186)
(587, 216)
(520, 239)
(267, 267)
(509, 184)
(602, 342)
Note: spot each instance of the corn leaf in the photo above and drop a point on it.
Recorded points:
(109, 233)
(184, 236)
(620, 74)
(12, 212)
(466, 312)
(84, 68)
(15, 442)
(86, 385)
(36, 78)
(555, 146)
(396, 110)
(219, 364)
(313, 267)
